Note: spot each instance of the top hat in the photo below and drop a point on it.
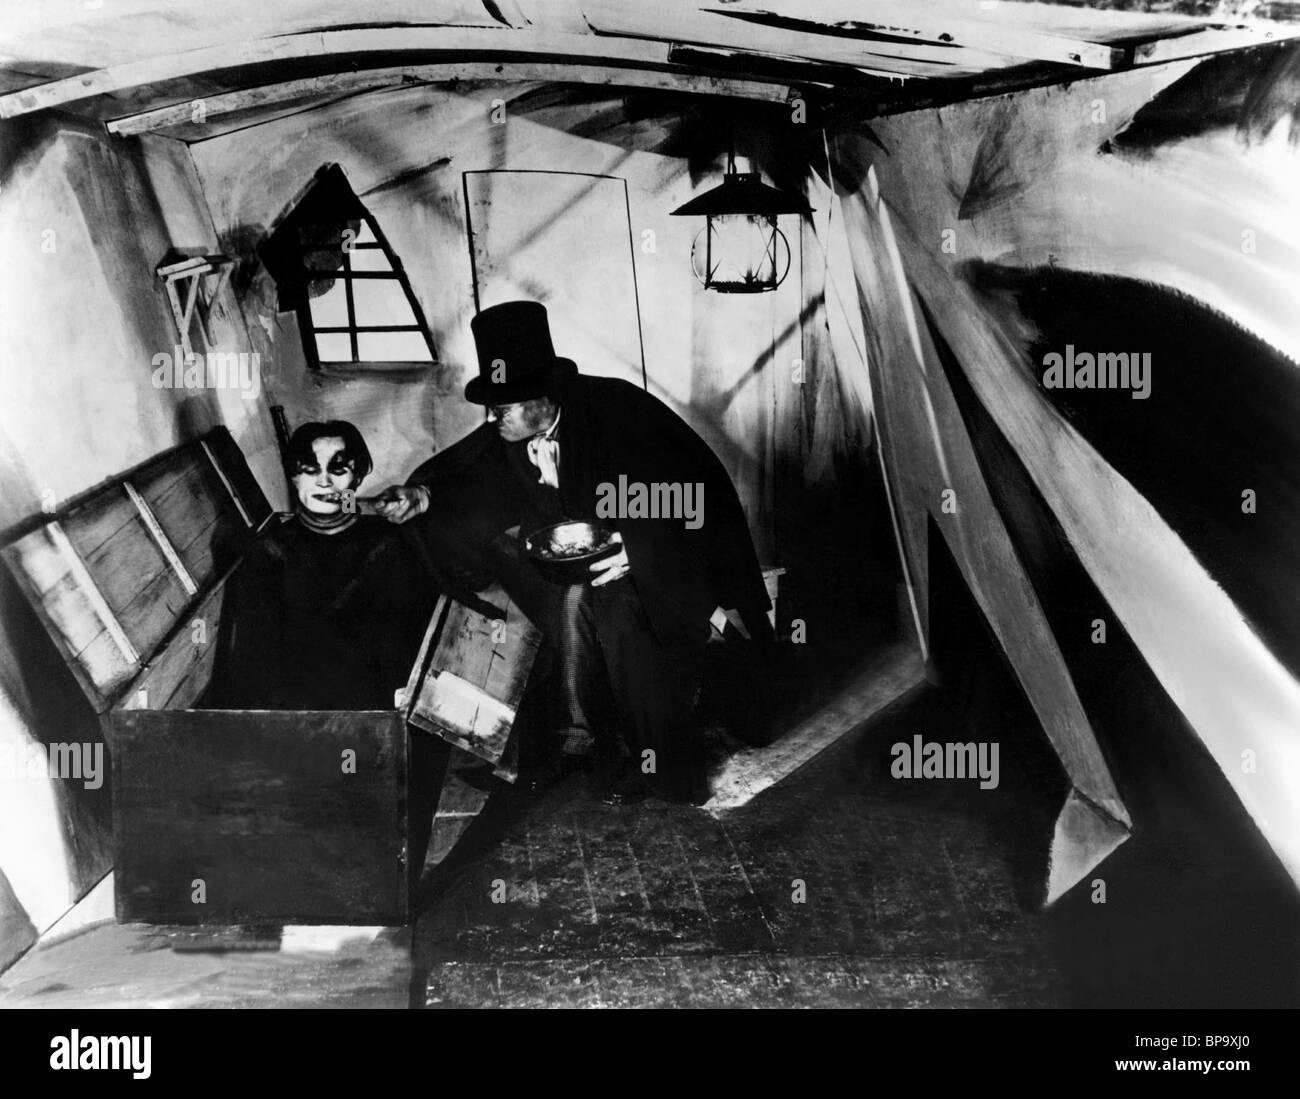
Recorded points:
(516, 360)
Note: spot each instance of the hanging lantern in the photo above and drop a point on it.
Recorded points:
(740, 250)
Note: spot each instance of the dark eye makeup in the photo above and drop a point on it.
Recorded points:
(337, 466)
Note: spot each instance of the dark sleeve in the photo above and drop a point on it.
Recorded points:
(470, 504)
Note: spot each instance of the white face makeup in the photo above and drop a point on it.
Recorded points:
(517, 422)
(322, 483)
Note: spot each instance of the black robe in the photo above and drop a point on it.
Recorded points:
(316, 621)
(607, 428)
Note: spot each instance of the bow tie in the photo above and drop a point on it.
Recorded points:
(544, 453)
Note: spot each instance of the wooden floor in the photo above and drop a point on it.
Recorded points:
(106, 964)
(838, 887)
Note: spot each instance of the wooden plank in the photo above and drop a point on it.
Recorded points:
(680, 24)
(207, 554)
(465, 648)
(135, 578)
(73, 611)
(258, 807)
(99, 519)
(197, 515)
(161, 540)
(153, 610)
(1000, 30)
(1212, 40)
(507, 674)
(180, 670)
(343, 44)
(884, 678)
(475, 676)
(349, 83)
(232, 468)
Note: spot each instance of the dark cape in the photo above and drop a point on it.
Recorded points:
(608, 428)
(316, 621)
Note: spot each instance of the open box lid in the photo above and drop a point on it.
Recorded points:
(469, 677)
(113, 573)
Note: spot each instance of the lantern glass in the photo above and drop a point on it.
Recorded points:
(740, 254)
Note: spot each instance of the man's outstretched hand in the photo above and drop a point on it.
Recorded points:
(612, 568)
(402, 502)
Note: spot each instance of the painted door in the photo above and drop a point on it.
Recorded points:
(563, 239)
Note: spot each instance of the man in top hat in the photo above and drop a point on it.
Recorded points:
(562, 445)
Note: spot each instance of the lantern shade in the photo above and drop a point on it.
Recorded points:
(742, 193)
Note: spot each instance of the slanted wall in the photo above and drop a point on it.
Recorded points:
(87, 218)
(985, 236)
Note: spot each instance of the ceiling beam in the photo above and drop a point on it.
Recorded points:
(348, 46)
(998, 30)
(680, 21)
(1211, 40)
(267, 95)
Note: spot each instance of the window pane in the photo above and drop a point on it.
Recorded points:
(329, 308)
(333, 347)
(392, 347)
(369, 259)
(364, 235)
(380, 302)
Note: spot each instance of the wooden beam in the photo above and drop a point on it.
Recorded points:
(347, 83)
(1000, 31)
(881, 679)
(348, 46)
(685, 24)
(1210, 40)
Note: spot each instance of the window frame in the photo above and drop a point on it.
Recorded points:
(397, 273)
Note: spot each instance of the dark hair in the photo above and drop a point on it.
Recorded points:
(301, 441)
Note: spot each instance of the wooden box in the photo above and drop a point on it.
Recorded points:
(234, 816)
(466, 684)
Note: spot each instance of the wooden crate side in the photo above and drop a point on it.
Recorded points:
(74, 613)
(507, 678)
(265, 811)
(182, 667)
(196, 513)
(114, 573)
(225, 455)
(475, 676)
(128, 567)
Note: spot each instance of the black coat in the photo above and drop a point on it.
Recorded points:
(607, 428)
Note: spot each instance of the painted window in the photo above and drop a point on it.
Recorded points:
(333, 266)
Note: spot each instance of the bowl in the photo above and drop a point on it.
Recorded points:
(564, 552)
